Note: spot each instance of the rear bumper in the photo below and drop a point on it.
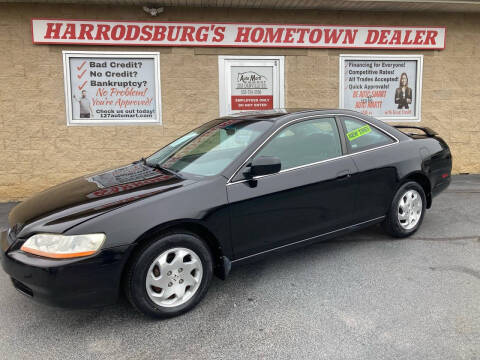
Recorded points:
(441, 185)
(77, 283)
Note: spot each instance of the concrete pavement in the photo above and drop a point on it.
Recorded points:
(363, 296)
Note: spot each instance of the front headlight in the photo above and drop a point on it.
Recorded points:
(63, 246)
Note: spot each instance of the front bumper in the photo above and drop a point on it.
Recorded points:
(71, 283)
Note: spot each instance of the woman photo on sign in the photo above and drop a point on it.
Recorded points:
(403, 94)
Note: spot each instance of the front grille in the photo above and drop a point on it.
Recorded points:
(13, 232)
(15, 229)
(24, 289)
(11, 237)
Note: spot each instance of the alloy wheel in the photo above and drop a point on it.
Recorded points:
(174, 277)
(409, 210)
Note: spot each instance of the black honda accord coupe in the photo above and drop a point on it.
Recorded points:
(234, 189)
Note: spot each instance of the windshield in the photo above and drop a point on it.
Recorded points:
(210, 148)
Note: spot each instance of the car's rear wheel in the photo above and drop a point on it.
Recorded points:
(406, 211)
(169, 275)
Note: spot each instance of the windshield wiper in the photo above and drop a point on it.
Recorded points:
(160, 167)
(142, 160)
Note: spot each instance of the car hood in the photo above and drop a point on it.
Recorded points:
(80, 199)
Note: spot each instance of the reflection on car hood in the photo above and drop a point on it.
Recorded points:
(91, 195)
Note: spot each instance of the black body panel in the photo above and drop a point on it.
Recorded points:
(273, 213)
(92, 281)
(239, 218)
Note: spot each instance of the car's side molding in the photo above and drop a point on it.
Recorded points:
(323, 236)
(230, 182)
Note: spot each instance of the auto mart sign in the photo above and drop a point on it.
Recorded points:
(135, 33)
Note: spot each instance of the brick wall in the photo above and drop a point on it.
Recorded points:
(38, 150)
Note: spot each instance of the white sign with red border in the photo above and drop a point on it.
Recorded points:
(213, 34)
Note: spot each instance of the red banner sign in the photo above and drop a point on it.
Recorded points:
(252, 102)
(136, 33)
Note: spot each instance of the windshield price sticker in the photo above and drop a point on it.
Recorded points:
(352, 135)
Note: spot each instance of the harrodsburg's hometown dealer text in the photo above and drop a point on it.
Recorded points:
(169, 33)
(111, 88)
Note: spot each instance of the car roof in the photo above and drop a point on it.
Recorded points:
(284, 113)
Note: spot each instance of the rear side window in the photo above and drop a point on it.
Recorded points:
(362, 136)
(304, 143)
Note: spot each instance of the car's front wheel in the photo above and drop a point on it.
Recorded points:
(406, 211)
(169, 275)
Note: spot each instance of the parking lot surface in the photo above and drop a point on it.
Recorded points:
(362, 296)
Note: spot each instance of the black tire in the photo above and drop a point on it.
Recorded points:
(136, 273)
(391, 224)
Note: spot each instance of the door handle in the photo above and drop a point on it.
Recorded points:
(343, 175)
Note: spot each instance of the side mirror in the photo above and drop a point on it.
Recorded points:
(264, 165)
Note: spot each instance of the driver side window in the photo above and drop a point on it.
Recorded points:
(304, 143)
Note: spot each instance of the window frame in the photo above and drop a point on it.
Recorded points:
(344, 151)
(352, 151)
(235, 178)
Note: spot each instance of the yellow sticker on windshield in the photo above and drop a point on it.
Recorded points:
(352, 135)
